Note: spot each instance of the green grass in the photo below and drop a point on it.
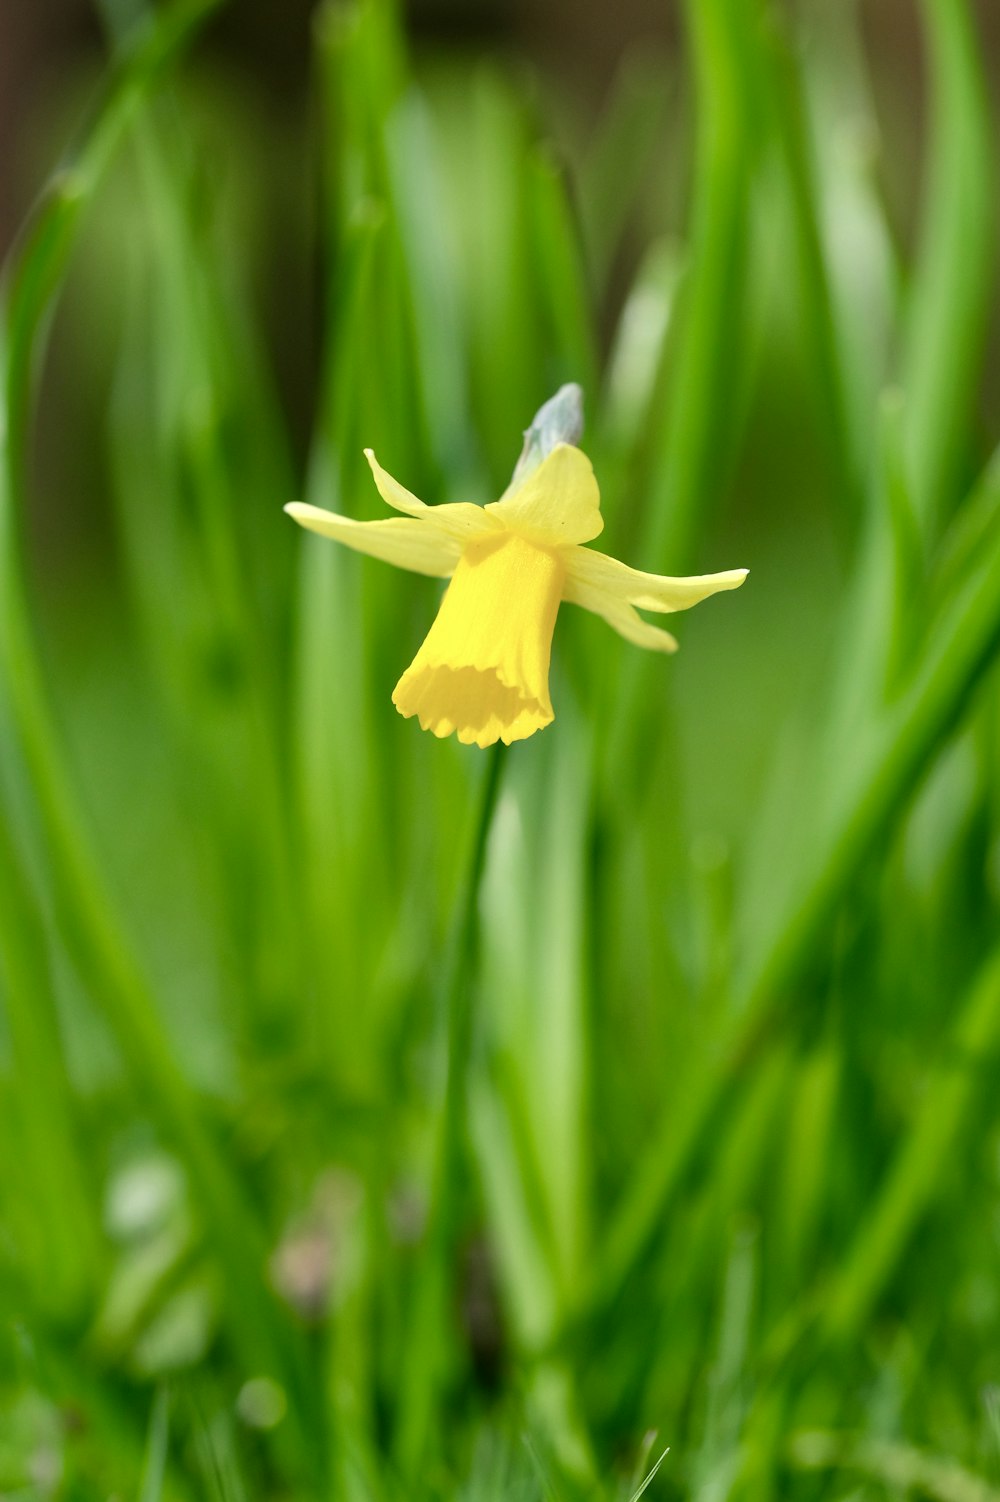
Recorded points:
(386, 1119)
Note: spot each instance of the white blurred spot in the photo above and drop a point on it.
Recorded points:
(261, 1403)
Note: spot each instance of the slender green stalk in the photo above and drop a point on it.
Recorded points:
(157, 1446)
(564, 290)
(64, 1268)
(86, 913)
(428, 1345)
(922, 1162)
(703, 409)
(211, 442)
(698, 405)
(627, 139)
(956, 272)
(841, 444)
(959, 650)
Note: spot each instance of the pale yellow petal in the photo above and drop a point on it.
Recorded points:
(461, 519)
(482, 671)
(558, 503)
(417, 546)
(395, 495)
(649, 591)
(620, 614)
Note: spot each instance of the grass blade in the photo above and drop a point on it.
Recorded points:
(956, 272)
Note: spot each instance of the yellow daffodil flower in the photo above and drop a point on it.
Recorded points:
(483, 669)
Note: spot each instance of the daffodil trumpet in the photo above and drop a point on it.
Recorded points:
(482, 672)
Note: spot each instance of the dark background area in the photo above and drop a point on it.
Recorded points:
(47, 44)
(258, 53)
(43, 42)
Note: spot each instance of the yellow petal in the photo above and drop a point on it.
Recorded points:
(594, 570)
(461, 520)
(395, 495)
(483, 669)
(408, 544)
(558, 503)
(620, 614)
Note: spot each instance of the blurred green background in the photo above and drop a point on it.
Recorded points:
(345, 1153)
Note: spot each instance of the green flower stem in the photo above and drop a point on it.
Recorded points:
(956, 272)
(64, 1269)
(428, 1343)
(697, 409)
(702, 414)
(84, 910)
(335, 789)
(926, 1155)
(960, 648)
(200, 424)
(843, 448)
